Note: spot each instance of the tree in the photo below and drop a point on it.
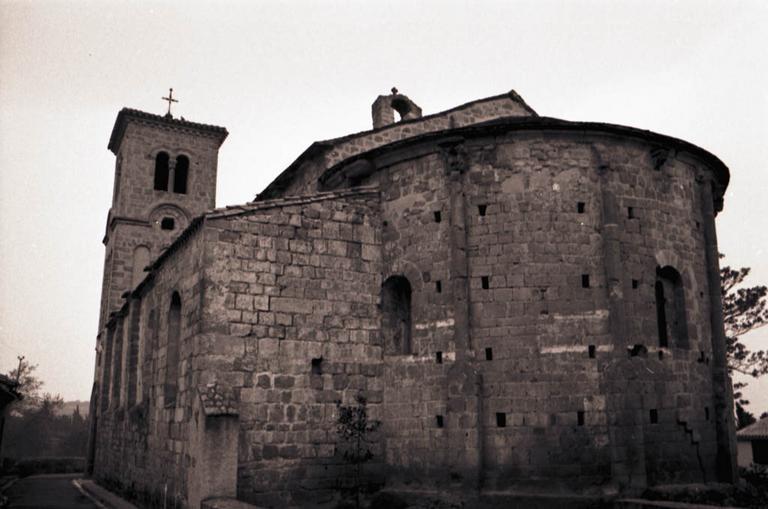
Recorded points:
(355, 429)
(29, 387)
(35, 427)
(744, 309)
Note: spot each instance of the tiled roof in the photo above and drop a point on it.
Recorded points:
(174, 123)
(756, 431)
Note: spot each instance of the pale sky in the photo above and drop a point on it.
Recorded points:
(279, 76)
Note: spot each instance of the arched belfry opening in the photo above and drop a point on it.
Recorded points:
(172, 349)
(670, 308)
(162, 171)
(180, 173)
(385, 108)
(396, 322)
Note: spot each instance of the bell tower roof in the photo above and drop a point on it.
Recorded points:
(167, 122)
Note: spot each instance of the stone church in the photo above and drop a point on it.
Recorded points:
(528, 304)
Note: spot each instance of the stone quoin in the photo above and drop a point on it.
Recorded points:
(527, 304)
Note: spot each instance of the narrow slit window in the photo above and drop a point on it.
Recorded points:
(635, 284)
(438, 216)
(439, 421)
(482, 209)
(439, 357)
(592, 351)
(439, 286)
(585, 280)
(580, 207)
(485, 282)
(317, 366)
(654, 416)
(580, 417)
(631, 212)
(501, 420)
(489, 354)
(706, 413)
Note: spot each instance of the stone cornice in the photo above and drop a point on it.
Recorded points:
(127, 115)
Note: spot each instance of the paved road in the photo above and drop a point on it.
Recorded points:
(48, 492)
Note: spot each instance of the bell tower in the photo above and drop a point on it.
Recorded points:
(165, 176)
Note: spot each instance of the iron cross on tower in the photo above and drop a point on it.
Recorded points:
(170, 100)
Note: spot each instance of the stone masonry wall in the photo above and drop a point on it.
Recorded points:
(136, 157)
(564, 398)
(142, 443)
(416, 245)
(291, 320)
(138, 208)
(535, 242)
(121, 253)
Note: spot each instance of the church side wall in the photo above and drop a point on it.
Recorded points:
(142, 444)
(291, 319)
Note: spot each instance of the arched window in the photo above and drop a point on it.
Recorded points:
(180, 175)
(396, 315)
(161, 172)
(140, 261)
(670, 308)
(117, 364)
(106, 367)
(172, 349)
(132, 376)
(148, 345)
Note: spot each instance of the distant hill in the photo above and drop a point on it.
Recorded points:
(70, 406)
